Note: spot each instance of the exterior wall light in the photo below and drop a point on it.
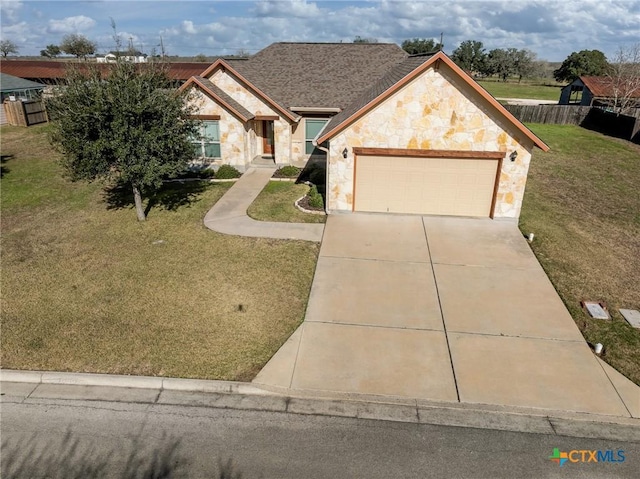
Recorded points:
(513, 155)
(344, 153)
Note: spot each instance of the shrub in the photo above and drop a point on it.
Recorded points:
(315, 198)
(288, 171)
(227, 172)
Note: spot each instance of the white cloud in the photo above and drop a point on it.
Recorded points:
(287, 9)
(187, 27)
(71, 24)
(9, 10)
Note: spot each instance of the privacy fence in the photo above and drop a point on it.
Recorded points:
(593, 118)
(25, 113)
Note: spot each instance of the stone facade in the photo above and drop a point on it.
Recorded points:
(234, 138)
(282, 128)
(436, 111)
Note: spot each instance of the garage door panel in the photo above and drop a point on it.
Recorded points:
(439, 186)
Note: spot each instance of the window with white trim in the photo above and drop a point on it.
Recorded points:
(207, 144)
(311, 130)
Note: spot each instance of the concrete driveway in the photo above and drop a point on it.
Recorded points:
(442, 309)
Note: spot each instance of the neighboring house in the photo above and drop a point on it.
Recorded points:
(133, 57)
(17, 89)
(599, 91)
(403, 134)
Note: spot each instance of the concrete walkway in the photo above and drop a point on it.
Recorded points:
(229, 214)
(441, 309)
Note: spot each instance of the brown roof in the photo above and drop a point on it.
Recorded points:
(55, 70)
(321, 75)
(399, 76)
(603, 87)
(393, 76)
(220, 96)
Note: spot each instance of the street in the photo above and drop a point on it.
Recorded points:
(96, 439)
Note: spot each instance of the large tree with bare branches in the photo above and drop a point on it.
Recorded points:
(624, 75)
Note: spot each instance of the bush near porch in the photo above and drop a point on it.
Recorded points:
(582, 203)
(88, 288)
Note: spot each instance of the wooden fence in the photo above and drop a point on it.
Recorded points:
(550, 114)
(593, 118)
(25, 113)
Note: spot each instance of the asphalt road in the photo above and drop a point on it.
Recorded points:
(94, 439)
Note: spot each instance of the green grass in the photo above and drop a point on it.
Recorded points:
(583, 205)
(276, 203)
(512, 89)
(86, 287)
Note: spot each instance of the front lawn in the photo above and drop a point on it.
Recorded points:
(86, 287)
(583, 203)
(276, 203)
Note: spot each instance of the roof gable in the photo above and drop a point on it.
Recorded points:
(399, 76)
(219, 96)
(222, 64)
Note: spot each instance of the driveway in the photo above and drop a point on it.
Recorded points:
(441, 309)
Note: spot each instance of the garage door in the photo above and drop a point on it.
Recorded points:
(430, 186)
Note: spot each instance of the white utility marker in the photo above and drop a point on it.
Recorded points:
(632, 316)
(596, 310)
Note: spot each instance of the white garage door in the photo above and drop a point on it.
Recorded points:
(430, 186)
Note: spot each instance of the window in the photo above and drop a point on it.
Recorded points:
(311, 130)
(208, 143)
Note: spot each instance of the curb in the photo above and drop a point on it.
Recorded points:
(123, 381)
(246, 396)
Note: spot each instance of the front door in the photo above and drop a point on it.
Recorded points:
(267, 139)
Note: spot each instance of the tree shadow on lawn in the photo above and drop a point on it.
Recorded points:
(3, 169)
(170, 196)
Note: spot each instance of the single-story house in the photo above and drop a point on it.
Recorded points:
(597, 91)
(402, 133)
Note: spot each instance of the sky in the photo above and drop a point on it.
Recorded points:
(551, 28)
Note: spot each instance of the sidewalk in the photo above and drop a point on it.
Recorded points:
(229, 214)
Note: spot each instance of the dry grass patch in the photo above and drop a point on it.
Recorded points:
(582, 203)
(86, 287)
(276, 203)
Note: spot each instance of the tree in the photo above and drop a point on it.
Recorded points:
(200, 57)
(78, 45)
(470, 56)
(585, 62)
(7, 46)
(51, 51)
(126, 125)
(525, 65)
(624, 77)
(359, 39)
(415, 46)
(500, 62)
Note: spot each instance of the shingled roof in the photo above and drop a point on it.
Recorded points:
(12, 83)
(222, 97)
(320, 75)
(396, 78)
(393, 76)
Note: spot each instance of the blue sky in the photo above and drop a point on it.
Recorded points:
(551, 28)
